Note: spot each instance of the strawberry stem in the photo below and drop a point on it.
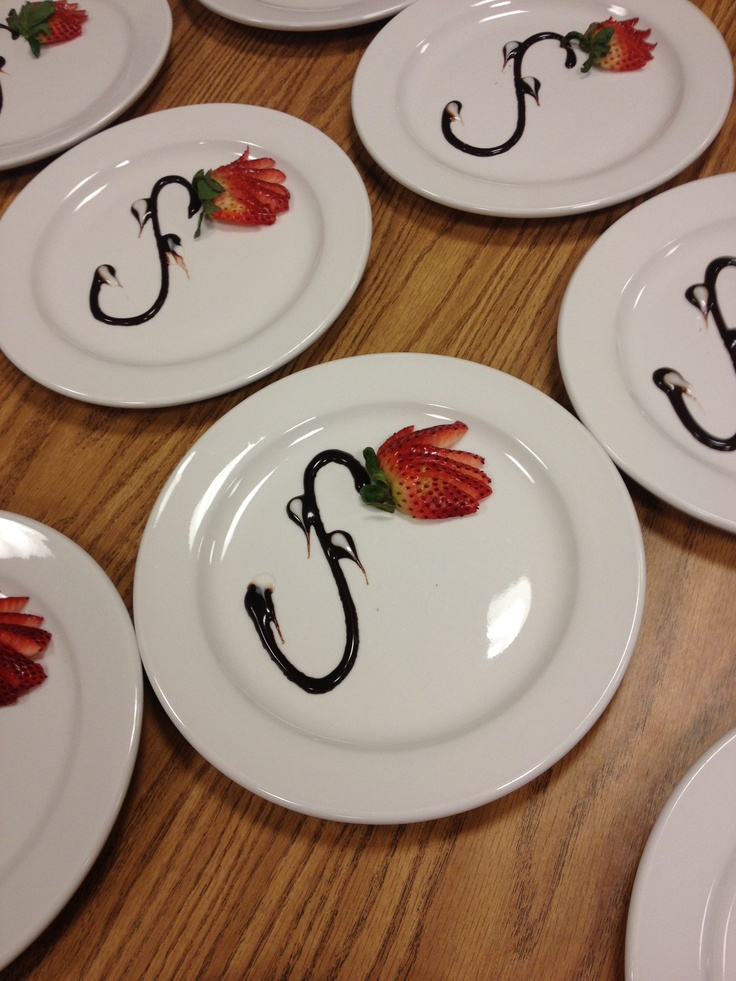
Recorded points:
(207, 189)
(377, 493)
(596, 43)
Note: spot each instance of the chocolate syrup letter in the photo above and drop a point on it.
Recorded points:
(513, 51)
(15, 37)
(166, 247)
(304, 511)
(705, 297)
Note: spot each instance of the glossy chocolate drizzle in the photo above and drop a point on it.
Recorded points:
(304, 511)
(523, 87)
(166, 247)
(15, 37)
(705, 297)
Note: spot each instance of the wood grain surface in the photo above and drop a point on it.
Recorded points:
(200, 879)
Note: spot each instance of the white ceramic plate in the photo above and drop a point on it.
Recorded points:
(304, 15)
(649, 124)
(67, 748)
(100, 74)
(488, 644)
(682, 917)
(251, 298)
(624, 315)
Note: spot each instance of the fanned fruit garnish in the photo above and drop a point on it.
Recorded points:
(47, 22)
(22, 640)
(247, 191)
(614, 45)
(417, 472)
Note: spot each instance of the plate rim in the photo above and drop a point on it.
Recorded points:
(661, 213)
(51, 897)
(112, 110)
(150, 559)
(260, 13)
(696, 774)
(92, 379)
(487, 198)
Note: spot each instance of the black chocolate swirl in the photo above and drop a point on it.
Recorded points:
(305, 512)
(705, 297)
(166, 249)
(523, 87)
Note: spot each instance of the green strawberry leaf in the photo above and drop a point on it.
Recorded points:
(32, 21)
(378, 493)
(375, 496)
(596, 43)
(206, 186)
(373, 466)
(207, 189)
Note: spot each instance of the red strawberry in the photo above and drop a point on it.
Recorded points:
(30, 641)
(65, 22)
(47, 22)
(417, 472)
(12, 604)
(614, 45)
(247, 192)
(18, 674)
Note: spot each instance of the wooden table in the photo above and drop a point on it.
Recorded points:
(202, 879)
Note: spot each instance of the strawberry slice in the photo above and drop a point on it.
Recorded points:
(47, 22)
(30, 641)
(246, 192)
(12, 604)
(418, 473)
(18, 674)
(614, 45)
(22, 619)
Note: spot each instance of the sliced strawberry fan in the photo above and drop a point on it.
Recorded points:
(22, 640)
(245, 192)
(418, 473)
(47, 22)
(614, 45)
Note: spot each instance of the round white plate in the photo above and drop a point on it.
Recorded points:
(249, 300)
(624, 315)
(488, 644)
(100, 74)
(304, 15)
(682, 917)
(67, 748)
(649, 124)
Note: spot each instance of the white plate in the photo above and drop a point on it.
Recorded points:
(682, 917)
(624, 315)
(304, 15)
(251, 299)
(488, 645)
(67, 748)
(440, 51)
(100, 74)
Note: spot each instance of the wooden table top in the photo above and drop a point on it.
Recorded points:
(202, 879)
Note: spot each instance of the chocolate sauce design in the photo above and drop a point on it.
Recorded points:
(304, 511)
(523, 87)
(15, 37)
(146, 211)
(704, 296)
